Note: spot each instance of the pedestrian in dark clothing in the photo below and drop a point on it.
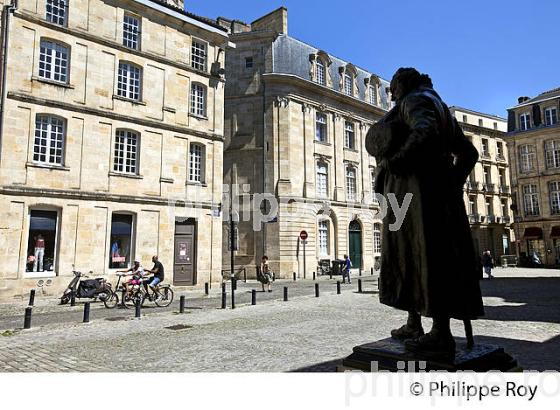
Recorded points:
(487, 263)
(346, 269)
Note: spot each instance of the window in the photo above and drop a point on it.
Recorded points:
(552, 153)
(323, 237)
(198, 55)
(53, 61)
(472, 205)
(554, 189)
(489, 207)
(348, 84)
(527, 157)
(495, 125)
(373, 94)
(487, 175)
(248, 62)
(500, 150)
(120, 251)
(42, 242)
(321, 127)
(322, 180)
(129, 80)
(56, 11)
(524, 121)
(131, 32)
(504, 208)
(376, 238)
(550, 116)
(196, 163)
(480, 122)
(531, 200)
(320, 71)
(485, 148)
(373, 181)
(126, 152)
(349, 137)
(48, 147)
(198, 100)
(502, 173)
(464, 118)
(350, 183)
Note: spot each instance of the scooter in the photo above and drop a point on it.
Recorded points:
(97, 288)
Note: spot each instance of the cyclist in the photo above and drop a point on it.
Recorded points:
(137, 272)
(158, 277)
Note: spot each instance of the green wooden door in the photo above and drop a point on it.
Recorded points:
(355, 244)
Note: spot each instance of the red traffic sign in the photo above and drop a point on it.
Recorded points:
(303, 235)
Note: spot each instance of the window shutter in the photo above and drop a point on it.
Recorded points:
(511, 121)
(537, 115)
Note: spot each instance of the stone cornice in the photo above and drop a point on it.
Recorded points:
(98, 196)
(113, 44)
(112, 115)
(316, 88)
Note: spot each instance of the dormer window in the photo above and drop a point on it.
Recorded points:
(319, 68)
(320, 74)
(550, 116)
(348, 75)
(348, 85)
(524, 121)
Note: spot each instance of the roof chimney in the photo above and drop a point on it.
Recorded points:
(522, 99)
(276, 20)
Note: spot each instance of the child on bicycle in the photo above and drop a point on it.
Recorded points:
(137, 272)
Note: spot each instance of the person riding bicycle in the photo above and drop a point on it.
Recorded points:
(137, 272)
(158, 273)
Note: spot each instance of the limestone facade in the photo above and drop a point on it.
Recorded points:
(534, 146)
(111, 111)
(296, 118)
(488, 190)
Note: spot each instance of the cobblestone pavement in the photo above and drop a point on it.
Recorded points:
(303, 334)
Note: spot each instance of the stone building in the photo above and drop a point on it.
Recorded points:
(296, 118)
(111, 111)
(534, 146)
(488, 190)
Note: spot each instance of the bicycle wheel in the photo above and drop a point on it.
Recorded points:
(111, 300)
(128, 300)
(165, 297)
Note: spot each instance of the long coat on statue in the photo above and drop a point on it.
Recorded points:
(429, 264)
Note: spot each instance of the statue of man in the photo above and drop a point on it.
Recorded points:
(428, 266)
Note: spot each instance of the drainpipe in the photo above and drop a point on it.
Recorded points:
(3, 86)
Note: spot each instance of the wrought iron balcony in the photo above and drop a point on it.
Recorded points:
(475, 218)
(506, 219)
(472, 186)
(485, 155)
(504, 189)
(500, 158)
(491, 219)
(487, 187)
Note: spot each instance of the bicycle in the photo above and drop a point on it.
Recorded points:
(162, 295)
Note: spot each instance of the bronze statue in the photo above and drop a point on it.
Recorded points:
(428, 266)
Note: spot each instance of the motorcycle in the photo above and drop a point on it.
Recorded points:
(81, 288)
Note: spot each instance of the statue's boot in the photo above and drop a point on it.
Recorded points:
(434, 345)
(411, 330)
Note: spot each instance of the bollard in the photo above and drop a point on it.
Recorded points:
(314, 275)
(285, 293)
(233, 298)
(73, 299)
(27, 318)
(330, 275)
(316, 290)
(206, 289)
(245, 275)
(294, 276)
(138, 311)
(371, 271)
(360, 272)
(31, 297)
(233, 283)
(223, 295)
(338, 287)
(359, 286)
(182, 304)
(86, 312)
(253, 297)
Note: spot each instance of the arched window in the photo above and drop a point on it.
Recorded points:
(320, 72)
(377, 238)
(50, 138)
(347, 77)
(198, 100)
(126, 156)
(129, 81)
(54, 61)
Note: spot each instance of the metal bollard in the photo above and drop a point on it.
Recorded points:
(233, 283)
(285, 293)
(233, 298)
(223, 295)
(360, 272)
(316, 290)
(338, 287)
(182, 304)
(73, 299)
(86, 312)
(27, 318)
(294, 276)
(253, 297)
(314, 275)
(138, 310)
(330, 275)
(359, 286)
(206, 289)
(245, 275)
(31, 297)
(371, 271)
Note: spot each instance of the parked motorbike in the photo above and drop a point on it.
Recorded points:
(81, 288)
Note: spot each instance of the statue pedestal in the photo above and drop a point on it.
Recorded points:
(389, 355)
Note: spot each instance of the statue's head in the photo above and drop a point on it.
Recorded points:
(406, 80)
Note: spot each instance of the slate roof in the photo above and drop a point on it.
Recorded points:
(547, 95)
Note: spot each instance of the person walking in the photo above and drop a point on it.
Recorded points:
(266, 275)
(346, 269)
(487, 263)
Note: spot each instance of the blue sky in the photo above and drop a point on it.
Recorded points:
(481, 55)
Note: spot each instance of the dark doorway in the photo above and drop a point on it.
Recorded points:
(184, 268)
(355, 244)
